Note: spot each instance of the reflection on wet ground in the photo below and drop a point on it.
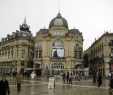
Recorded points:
(40, 87)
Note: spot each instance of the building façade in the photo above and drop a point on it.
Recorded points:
(53, 50)
(58, 48)
(100, 54)
(16, 50)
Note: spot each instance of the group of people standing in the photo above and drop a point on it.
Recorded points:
(67, 77)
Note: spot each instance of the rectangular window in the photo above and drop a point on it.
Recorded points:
(22, 63)
(17, 53)
(12, 54)
(8, 54)
(79, 54)
(36, 54)
(40, 53)
(23, 54)
(75, 54)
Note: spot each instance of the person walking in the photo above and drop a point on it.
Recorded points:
(4, 86)
(67, 77)
(64, 77)
(94, 78)
(99, 80)
(33, 75)
(70, 78)
(19, 79)
(111, 85)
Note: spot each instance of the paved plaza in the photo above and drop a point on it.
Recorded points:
(40, 87)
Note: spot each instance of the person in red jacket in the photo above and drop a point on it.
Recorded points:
(4, 86)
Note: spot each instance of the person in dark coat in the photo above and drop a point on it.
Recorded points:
(111, 85)
(64, 77)
(99, 80)
(4, 86)
(67, 77)
(111, 82)
(94, 78)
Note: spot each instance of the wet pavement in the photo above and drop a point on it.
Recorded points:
(40, 87)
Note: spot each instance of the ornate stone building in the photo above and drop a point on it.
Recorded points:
(58, 48)
(100, 54)
(16, 49)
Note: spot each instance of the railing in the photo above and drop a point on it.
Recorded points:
(38, 59)
(58, 59)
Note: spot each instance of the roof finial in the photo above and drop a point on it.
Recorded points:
(25, 20)
(59, 6)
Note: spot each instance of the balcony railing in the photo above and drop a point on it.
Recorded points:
(58, 59)
(37, 59)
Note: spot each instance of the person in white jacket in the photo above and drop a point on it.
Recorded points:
(33, 75)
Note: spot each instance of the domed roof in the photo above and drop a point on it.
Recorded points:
(58, 21)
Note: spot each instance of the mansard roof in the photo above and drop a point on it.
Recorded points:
(44, 31)
(74, 31)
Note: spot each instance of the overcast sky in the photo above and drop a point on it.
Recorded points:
(91, 17)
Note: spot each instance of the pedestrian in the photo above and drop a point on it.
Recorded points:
(110, 90)
(99, 80)
(70, 78)
(64, 77)
(19, 79)
(33, 75)
(67, 77)
(4, 86)
(94, 78)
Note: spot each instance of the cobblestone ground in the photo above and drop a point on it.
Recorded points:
(40, 87)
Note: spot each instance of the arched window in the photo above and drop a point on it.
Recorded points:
(58, 49)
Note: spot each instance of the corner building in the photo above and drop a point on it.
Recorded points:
(58, 48)
(101, 54)
(16, 50)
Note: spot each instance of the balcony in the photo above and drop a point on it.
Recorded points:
(37, 59)
(79, 48)
(59, 59)
(76, 59)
